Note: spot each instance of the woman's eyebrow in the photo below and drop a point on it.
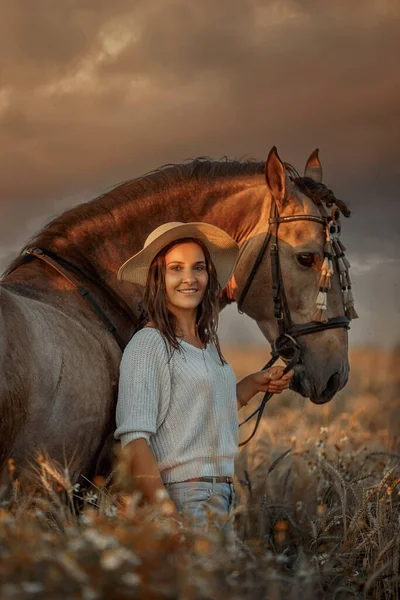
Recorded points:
(179, 262)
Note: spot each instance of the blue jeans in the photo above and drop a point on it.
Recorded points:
(207, 505)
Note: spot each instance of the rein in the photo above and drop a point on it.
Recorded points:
(42, 255)
(286, 346)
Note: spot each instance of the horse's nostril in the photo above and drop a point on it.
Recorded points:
(333, 385)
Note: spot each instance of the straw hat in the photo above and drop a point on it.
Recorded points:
(222, 248)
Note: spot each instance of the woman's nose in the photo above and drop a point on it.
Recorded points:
(189, 277)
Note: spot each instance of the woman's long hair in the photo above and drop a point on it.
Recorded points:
(154, 304)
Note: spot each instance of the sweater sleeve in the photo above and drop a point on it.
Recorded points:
(144, 387)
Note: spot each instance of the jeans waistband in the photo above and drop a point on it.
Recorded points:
(210, 479)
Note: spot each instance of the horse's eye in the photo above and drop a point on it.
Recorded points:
(306, 259)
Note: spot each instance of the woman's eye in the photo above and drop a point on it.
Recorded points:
(180, 268)
(306, 259)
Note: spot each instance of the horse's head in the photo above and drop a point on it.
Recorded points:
(303, 247)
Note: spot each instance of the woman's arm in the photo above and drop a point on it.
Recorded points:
(272, 380)
(145, 474)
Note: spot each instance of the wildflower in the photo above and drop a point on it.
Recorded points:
(99, 540)
(32, 587)
(113, 559)
(131, 579)
(323, 558)
(111, 511)
(90, 498)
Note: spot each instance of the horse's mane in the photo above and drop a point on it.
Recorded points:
(163, 180)
(166, 177)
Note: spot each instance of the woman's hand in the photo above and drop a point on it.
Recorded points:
(272, 380)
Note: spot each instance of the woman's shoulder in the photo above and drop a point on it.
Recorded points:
(147, 330)
(147, 339)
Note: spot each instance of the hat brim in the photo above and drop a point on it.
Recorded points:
(222, 248)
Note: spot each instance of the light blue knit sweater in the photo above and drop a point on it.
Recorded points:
(183, 404)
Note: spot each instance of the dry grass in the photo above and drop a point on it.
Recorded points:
(320, 518)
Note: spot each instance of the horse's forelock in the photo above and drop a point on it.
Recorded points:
(320, 194)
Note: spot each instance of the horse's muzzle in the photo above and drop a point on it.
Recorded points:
(318, 394)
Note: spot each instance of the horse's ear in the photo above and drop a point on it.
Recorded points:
(313, 168)
(275, 175)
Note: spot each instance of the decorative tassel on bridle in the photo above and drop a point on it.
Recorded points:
(334, 254)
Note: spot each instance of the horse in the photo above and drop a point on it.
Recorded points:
(59, 362)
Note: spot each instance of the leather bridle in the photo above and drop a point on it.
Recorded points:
(285, 346)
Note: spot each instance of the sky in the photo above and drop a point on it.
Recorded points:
(95, 92)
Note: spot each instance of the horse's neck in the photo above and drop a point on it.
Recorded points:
(242, 214)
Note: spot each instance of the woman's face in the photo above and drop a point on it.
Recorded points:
(186, 276)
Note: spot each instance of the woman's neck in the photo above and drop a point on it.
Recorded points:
(185, 323)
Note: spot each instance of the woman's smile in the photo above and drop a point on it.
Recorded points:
(190, 291)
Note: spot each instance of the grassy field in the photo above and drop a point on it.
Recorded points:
(320, 518)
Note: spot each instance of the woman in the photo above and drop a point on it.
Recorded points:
(178, 398)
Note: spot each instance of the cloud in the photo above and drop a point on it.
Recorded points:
(368, 264)
(96, 92)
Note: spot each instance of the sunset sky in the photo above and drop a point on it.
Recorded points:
(95, 92)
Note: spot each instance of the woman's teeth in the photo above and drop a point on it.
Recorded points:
(187, 291)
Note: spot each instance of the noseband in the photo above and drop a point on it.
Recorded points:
(285, 345)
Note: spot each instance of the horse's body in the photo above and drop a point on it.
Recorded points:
(59, 364)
